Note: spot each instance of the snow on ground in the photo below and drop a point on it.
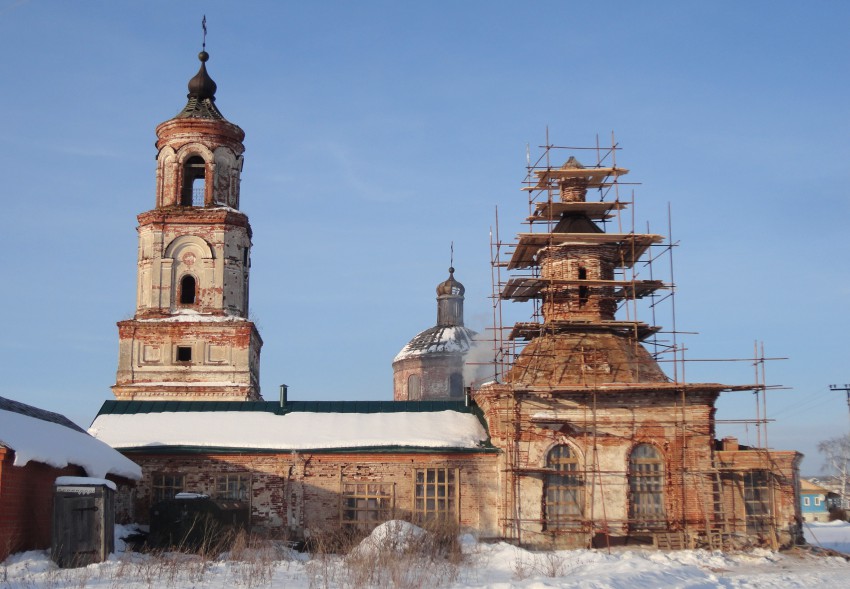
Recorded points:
(492, 566)
(834, 535)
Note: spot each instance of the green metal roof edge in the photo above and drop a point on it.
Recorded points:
(140, 407)
(487, 449)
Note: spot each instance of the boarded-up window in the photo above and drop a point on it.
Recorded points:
(563, 489)
(456, 385)
(414, 387)
(165, 485)
(646, 488)
(365, 505)
(435, 494)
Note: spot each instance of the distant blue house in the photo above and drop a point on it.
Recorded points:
(816, 501)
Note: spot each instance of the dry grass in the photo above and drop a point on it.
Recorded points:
(403, 558)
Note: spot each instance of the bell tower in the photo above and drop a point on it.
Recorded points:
(190, 337)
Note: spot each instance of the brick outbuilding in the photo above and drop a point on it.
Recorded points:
(37, 447)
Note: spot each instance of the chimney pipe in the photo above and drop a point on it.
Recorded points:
(467, 394)
(283, 391)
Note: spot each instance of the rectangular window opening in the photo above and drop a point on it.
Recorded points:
(365, 505)
(165, 486)
(757, 501)
(184, 353)
(236, 486)
(435, 494)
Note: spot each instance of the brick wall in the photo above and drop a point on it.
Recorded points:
(295, 494)
(26, 503)
(434, 371)
(602, 428)
(578, 263)
(782, 496)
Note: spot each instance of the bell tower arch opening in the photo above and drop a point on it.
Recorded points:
(194, 182)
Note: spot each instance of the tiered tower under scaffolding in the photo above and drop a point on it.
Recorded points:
(600, 445)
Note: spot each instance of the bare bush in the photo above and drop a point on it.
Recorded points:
(396, 554)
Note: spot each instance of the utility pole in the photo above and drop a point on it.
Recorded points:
(845, 501)
(845, 388)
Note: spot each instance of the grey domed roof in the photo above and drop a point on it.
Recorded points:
(439, 339)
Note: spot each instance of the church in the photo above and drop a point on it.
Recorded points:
(580, 440)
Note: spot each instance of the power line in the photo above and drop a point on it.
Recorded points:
(845, 388)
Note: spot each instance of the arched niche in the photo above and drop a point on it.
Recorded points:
(166, 176)
(189, 242)
(191, 260)
(226, 176)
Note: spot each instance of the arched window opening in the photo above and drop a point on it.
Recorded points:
(414, 387)
(188, 288)
(563, 490)
(456, 385)
(194, 182)
(646, 488)
(582, 290)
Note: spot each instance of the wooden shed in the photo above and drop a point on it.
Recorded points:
(83, 521)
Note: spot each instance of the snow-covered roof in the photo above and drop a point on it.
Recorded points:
(58, 445)
(439, 339)
(43, 414)
(291, 431)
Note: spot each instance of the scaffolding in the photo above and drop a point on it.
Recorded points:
(707, 512)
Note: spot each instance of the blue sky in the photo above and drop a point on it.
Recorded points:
(379, 132)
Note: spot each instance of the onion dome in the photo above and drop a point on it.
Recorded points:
(450, 286)
(201, 95)
(449, 336)
(202, 85)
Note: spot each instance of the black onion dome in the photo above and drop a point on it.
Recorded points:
(201, 95)
(450, 286)
(202, 85)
